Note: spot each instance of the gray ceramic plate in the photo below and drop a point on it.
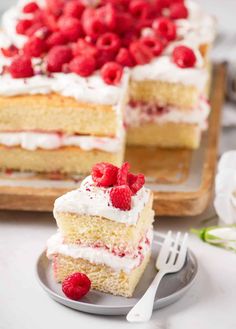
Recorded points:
(172, 287)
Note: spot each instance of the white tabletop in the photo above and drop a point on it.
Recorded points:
(210, 303)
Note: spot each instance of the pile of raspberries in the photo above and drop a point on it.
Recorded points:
(124, 183)
(83, 36)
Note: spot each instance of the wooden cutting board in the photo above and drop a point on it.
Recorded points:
(182, 180)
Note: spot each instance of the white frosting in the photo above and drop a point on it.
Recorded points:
(127, 263)
(92, 89)
(225, 188)
(95, 201)
(137, 115)
(163, 69)
(50, 141)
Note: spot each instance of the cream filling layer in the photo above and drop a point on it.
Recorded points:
(95, 201)
(56, 246)
(51, 141)
(148, 113)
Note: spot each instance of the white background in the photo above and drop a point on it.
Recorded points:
(210, 304)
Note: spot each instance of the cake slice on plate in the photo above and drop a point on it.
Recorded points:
(104, 230)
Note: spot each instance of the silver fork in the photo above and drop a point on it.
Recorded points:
(170, 260)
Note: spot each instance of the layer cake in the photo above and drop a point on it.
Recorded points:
(104, 231)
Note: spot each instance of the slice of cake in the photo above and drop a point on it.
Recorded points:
(104, 230)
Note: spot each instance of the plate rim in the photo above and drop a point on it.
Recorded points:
(172, 296)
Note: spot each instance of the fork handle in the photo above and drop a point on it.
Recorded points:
(142, 311)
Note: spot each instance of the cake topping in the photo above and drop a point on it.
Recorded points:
(108, 31)
(76, 285)
(121, 197)
(30, 7)
(21, 67)
(104, 174)
(184, 57)
(122, 183)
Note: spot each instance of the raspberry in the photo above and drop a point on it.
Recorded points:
(164, 28)
(10, 51)
(55, 7)
(111, 73)
(141, 53)
(71, 27)
(178, 11)
(183, 57)
(84, 47)
(74, 9)
(33, 29)
(93, 27)
(30, 7)
(34, 47)
(103, 57)
(122, 175)
(21, 67)
(104, 174)
(107, 14)
(50, 22)
(84, 65)
(135, 182)
(108, 42)
(154, 44)
(23, 25)
(124, 58)
(160, 5)
(139, 9)
(124, 22)
(128, 38)
(76, 285)
(58, 56)
(55, 39)
(121, 197)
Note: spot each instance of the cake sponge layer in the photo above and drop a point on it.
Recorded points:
(53, 112)
(94, 230)
(169, 135)
(164, 93)
(65, 160)
(103, 277)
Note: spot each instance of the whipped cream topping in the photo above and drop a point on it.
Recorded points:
(127, 263)
(92, 89)
(163, 69)
(95, 201)
(225, 188)
(50, 141)
(139, 113)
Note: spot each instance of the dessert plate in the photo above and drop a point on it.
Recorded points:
(172, 287)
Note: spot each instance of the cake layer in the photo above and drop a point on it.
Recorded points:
(64, 160)
(51, 141)
(164, 93)
(168, 134)
(101, 255)
(54, 112)
(103, 277)
(85, 229)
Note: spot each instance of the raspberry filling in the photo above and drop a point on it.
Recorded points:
(81, 37)
(139, 113)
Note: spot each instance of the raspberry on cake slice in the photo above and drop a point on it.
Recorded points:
(104, 230)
